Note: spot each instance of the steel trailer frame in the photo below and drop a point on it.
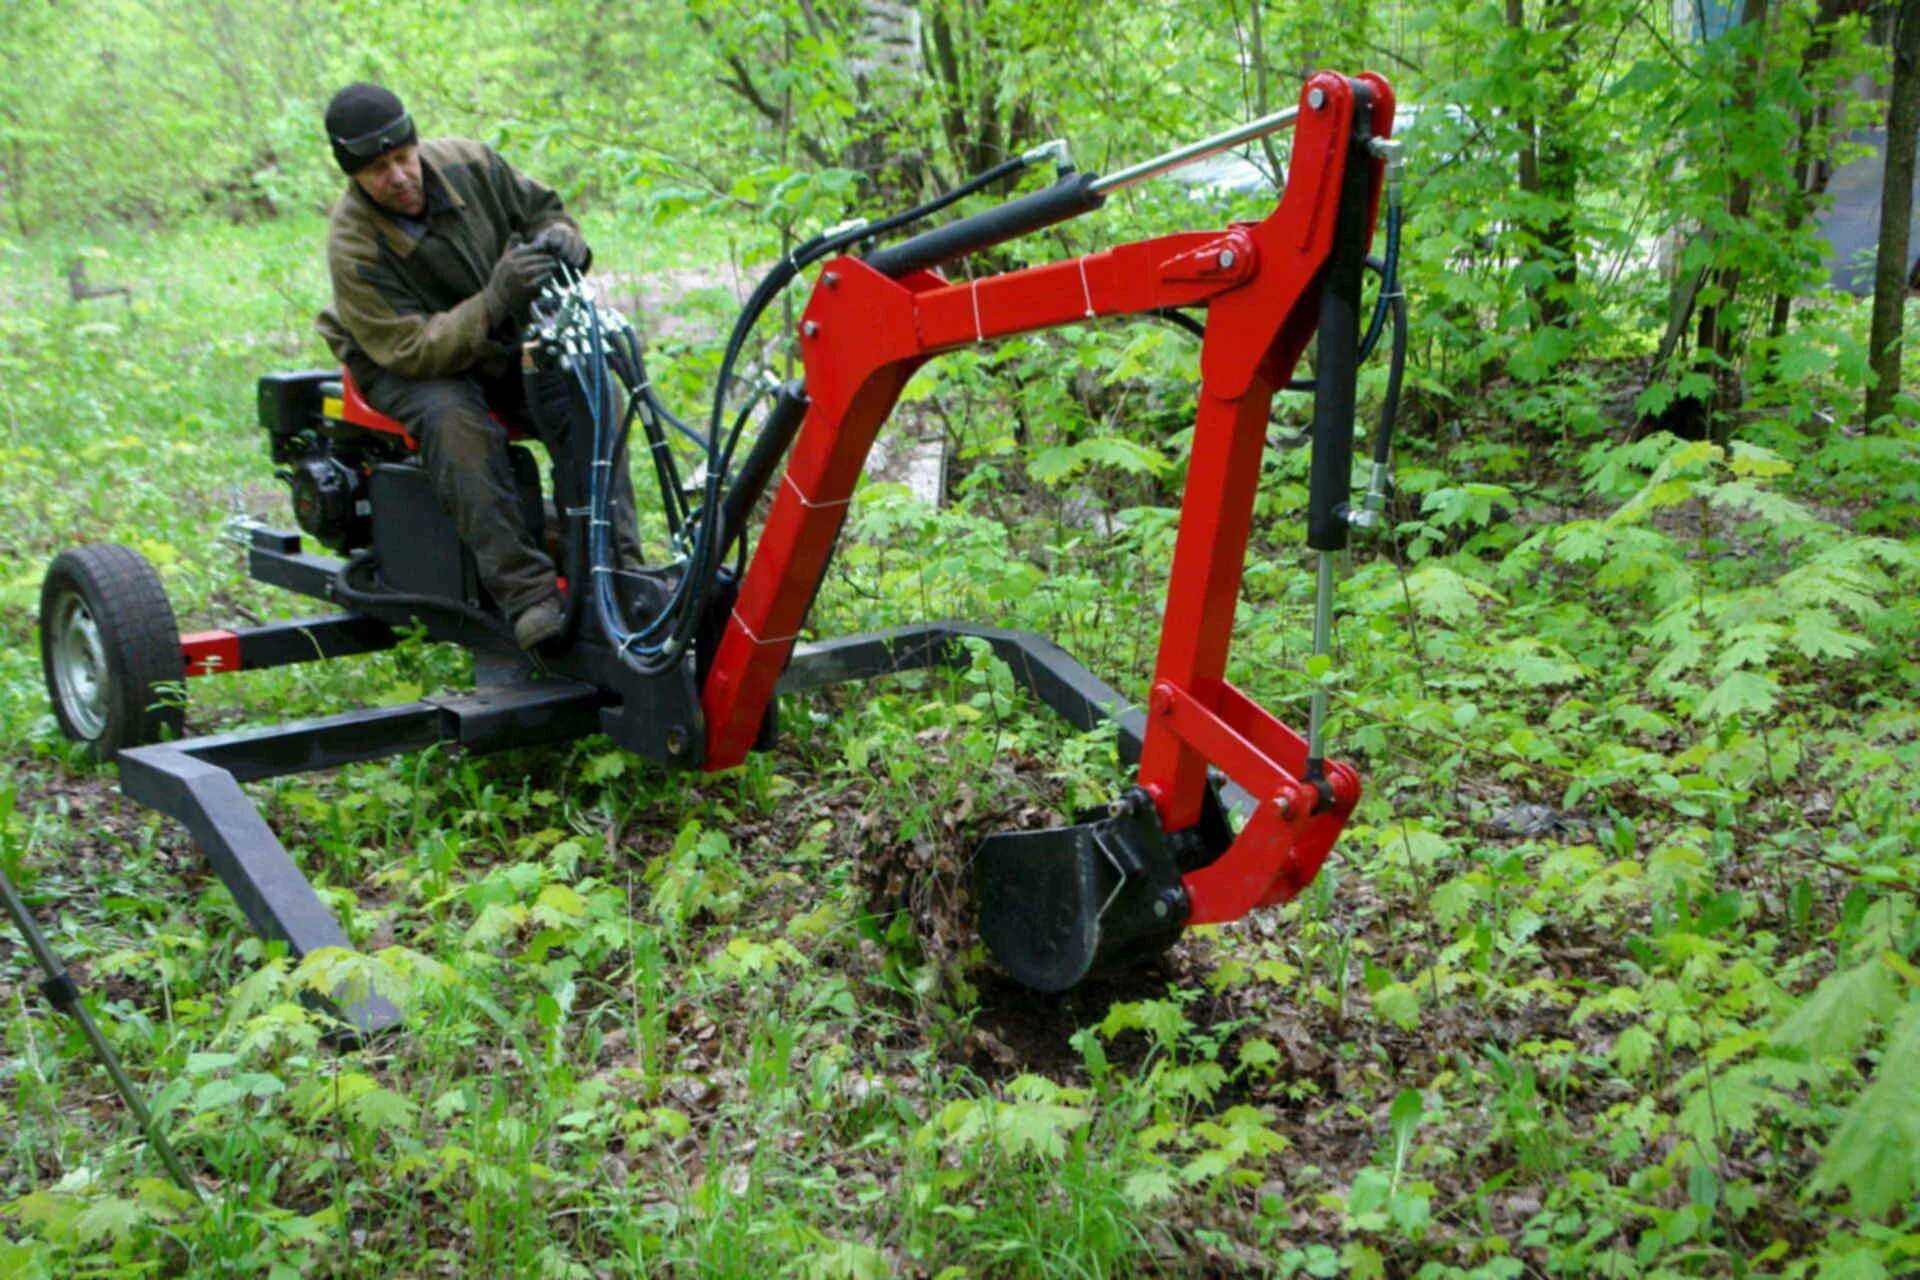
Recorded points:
(198, 780)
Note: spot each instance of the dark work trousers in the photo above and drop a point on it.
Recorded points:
(465, 452)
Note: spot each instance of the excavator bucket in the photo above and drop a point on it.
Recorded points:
(1059, 904)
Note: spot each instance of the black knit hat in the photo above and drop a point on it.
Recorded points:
(364, 122)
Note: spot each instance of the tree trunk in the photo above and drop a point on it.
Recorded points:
(1560, 173)
(886, 69)
(1811, 171)
(1890, 272)
(1546, 166)
(1719, 335)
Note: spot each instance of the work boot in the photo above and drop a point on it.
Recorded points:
(539, 623)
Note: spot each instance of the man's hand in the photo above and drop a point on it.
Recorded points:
(564, 243)
(516, 281)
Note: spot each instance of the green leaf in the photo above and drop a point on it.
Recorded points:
(383, 1109)
(1633, 1050)
(1038, 1128)
(1399, 1003)
(108, 1217)
(1703, 1186)
(1741, 691)
(1164, 1020)
(605, 766)
(1875, 1152)
(1149, 1187)
(1840, 1011)
(1815, 636)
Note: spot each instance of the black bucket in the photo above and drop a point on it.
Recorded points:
(1060, 904)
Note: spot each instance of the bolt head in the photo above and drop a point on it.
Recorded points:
(1226, 259)
(830, 278)
(810, 328)
(1160, 908)
(1317, 98)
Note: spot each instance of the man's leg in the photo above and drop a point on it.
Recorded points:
(466, 458)
(509, 391)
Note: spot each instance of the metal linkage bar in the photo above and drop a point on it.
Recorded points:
(198, 781)
(279, 644)
(275, 558)
(1047, 671)
(64, 994)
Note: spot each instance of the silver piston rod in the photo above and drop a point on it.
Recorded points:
(1322, 648)
(1196, 151)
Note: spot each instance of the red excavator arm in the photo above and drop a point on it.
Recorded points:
(1264, 287)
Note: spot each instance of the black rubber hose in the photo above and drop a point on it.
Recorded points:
(720, 449)
(1396, 366)
(777, 431)
(1180, 320)
(343, 589)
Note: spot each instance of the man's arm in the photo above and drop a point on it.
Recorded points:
(532, 206)
(395, 332)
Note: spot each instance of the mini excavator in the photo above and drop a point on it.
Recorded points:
(1228, 810)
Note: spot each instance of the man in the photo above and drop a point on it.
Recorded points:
(437, 249)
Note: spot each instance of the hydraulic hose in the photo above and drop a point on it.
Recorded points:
(703, 541)
(1388, 269)
(367, 558)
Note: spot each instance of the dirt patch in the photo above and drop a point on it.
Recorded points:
(662, 304)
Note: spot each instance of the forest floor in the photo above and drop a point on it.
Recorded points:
(1611, 974)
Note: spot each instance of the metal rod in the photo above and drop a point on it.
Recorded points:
(60, 990)
(1322, 645)
(1196, 151)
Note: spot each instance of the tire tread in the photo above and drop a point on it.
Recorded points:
(142, 639)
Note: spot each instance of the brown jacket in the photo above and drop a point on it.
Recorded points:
(413, 305)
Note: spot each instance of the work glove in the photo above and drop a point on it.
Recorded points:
(516, 281)
(566, 243)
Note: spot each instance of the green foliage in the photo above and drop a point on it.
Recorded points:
(689, 1026)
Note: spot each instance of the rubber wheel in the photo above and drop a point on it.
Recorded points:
(108, 643)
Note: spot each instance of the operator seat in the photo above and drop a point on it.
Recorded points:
(355, 409)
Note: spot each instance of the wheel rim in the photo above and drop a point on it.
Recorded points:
(80, 673)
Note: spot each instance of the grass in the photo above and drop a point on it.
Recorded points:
(656, 1025)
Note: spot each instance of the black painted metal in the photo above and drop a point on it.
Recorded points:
(333, 635)
(198, 781)
(1056, 905)
(414, 538)
(1070, 197)
(656, 717)
(1337, 364)
(1071, 691)
(1112, 880)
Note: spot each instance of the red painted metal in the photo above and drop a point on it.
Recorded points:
(863, 336)
(209, 653)
(355, 409)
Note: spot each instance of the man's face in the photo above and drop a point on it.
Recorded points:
(393, 181)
